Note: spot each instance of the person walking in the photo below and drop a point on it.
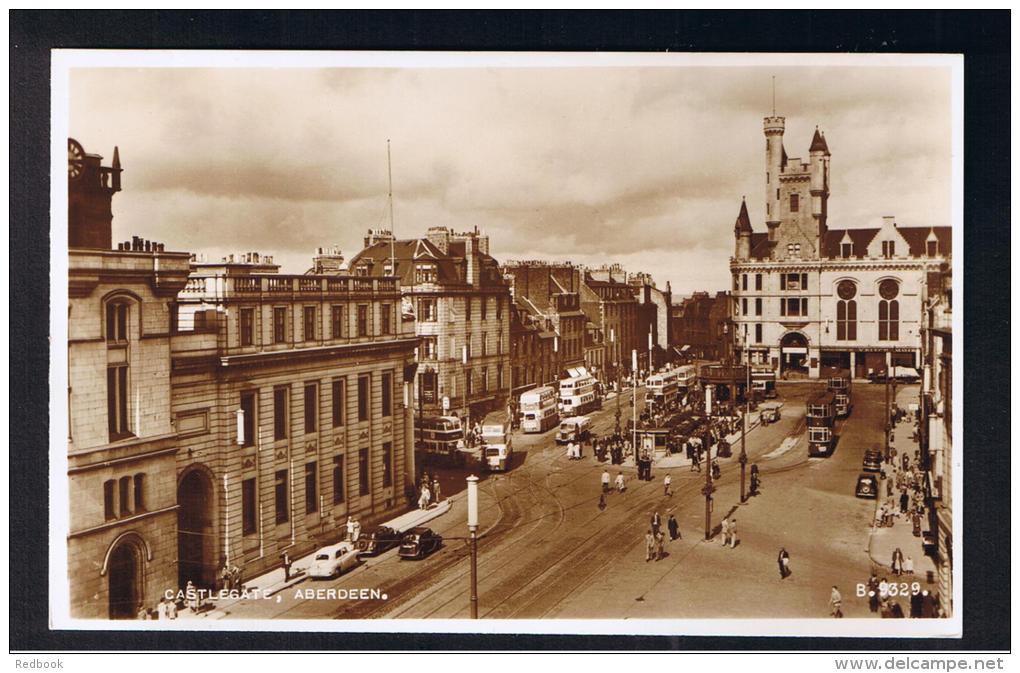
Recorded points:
(733, 533)
(171, 609)
(656, 523)
(784, 563)
(286, 566)
(621, 485)
(725, 532)
(674, 528)
(350, 527)
(161, 609)
(602, 502)
(897, 562)
(423, 499)
(667, 481)
(357, 530)
(605, 481)
(649, 545)
(435, 489)
(660, 552)
(873, 597)
(836, 603)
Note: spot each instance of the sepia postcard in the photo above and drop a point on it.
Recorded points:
(506, 343)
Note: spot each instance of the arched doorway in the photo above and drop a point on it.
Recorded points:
(195, 534)
(793, 354)
(125, 577)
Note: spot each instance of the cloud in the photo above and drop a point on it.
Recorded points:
(640, 164)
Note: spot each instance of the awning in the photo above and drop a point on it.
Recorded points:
(795, 349)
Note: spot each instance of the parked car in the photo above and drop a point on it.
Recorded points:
(419, 543)
(377, 540)
(872, 461)
(770, 412)
(867, 486)
(333, 560)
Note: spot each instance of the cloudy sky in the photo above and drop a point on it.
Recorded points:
(642, 166)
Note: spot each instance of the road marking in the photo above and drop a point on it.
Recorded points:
(787, 445)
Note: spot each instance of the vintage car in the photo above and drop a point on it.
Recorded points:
(872, 461)
(867, 486)
(418, 543)
(377, 540)
(333, 560)
(770, 412)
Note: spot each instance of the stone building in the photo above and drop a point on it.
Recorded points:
(653, 318)
(534, 360)
(547, 295)
(121, 444)
(937, 421)
(809, 299)
(290, 398)
(698, 324)
(608, 302)
(460, 301)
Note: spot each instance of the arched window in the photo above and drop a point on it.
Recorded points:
(888, 311)
(846, 311)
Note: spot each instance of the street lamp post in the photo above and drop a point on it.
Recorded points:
(472, 522)
(747, 410)
(888, 416)
(708, 489)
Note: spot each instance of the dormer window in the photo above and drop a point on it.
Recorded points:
(361, 270)
(425, 273)
(846, 250)
(932, 246)
(793, 249)
(888, 249)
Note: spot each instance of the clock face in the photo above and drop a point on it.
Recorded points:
(888, 288)
(846, 289)
(75, 159)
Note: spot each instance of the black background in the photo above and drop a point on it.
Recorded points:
(983, 37)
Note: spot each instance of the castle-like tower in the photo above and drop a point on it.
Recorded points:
(796, 198)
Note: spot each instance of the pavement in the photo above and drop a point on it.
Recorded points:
(884, 540)
(277, 580)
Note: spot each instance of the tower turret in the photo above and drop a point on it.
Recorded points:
(775, 160)
(819, 181)
(742, 232)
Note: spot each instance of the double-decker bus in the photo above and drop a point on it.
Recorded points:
(821, 416)
(840, 387)
(579, 395)
(662, 388)
(686, 378)
(538, 410)
(439, 440)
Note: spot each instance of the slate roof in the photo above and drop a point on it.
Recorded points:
(450, 268)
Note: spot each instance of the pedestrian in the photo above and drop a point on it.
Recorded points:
(674, 528)
(904, 502)
(423, 499)
(733, 533)
(897, 562)
(908, 566)
(649, 545)
(873, 594)
(350, 527)
(784, 563)
(161, 609)
(836, 603)
(142, 612)
(656, 523)
(660, 553)
(225, 576)
(605, 481)
(235, 578)
(667, 481)
(621, 486)
(725, 531)
(916, 605)
(435, 489)
(602, 502)
(191, 596)
(286, 566)
(357, 530)
(171, 609)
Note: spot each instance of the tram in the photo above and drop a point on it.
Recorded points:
(821, 416)
(439, 440)
(840, 387)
